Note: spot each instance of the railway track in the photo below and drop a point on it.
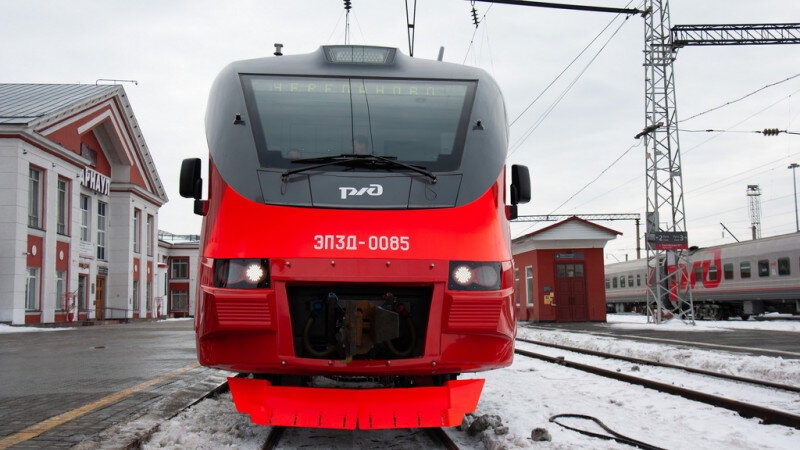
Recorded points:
(767, 415)
(709, 373)
(437, 435)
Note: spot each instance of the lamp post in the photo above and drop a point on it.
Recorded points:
(794, 185)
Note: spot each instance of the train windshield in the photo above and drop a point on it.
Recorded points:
(421, 122)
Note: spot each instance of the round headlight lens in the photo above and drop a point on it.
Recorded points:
(254, 273)
(462, 275)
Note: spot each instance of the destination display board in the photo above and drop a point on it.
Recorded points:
(669, 240)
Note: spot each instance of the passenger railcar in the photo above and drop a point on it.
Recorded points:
(739, 279)
(356, 228)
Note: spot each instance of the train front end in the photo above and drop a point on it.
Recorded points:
(355, 251)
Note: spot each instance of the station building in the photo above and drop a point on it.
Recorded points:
(560, 274)
(178, 268)
(79, 201)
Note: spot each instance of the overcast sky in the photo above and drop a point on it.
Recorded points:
(174, 49)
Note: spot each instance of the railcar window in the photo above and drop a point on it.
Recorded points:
(608, 283)
(622, 281)
(727, 271)
(698, 274)
(630, 280)
(614, 282)
(712, 273)
(416, 121)
(763, 268)
(638, 280)
(744, 269)
(783, 266)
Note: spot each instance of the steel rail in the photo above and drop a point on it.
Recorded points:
(274, 436)
(648, 362)
(439, 435)
(767, 415)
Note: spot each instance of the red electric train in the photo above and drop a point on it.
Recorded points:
(355, 253)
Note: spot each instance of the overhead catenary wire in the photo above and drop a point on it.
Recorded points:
(565, 69)
(518, 144)
(740, 98)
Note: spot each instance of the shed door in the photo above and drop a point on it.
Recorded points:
(570, 298)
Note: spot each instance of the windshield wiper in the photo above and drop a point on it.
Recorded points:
(349, 158)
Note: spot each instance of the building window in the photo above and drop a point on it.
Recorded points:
(516, 283)
(102, 218)
(529, 285)
(150, 223)
(179, 301)
(32, 289)
(763, 268)
(727, 271)
(62, 221)
(137, 229)
(61, 290)
(35, 198)
(783, 266)
(744, 269)
(135, 295)
(83, 300)
(179, 268)
(85, 215)
(147, 293)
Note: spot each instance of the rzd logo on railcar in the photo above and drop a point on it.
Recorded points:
(374, 190)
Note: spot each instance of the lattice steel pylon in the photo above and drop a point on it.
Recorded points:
(669, 292)
(754, 197)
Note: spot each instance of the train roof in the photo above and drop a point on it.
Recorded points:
(771, 243)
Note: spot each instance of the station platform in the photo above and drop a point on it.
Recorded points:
(63, 387)
(773, 343)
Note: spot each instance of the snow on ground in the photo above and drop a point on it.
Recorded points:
(4, 329)
(639, 322)
(765, 368)
(529, 392)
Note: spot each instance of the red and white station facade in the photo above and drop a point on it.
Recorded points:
(79, 201)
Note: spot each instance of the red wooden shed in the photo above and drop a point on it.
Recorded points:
(560, 272)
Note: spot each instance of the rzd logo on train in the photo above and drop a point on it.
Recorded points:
(374, 190)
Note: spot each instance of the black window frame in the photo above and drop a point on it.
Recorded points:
(450, 163)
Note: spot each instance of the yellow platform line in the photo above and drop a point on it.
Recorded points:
(45, 425)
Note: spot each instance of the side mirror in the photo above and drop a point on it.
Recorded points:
(191, 183)
(520, 184)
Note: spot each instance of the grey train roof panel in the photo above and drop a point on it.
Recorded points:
(21, 103)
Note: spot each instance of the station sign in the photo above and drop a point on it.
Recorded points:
(669, 240)
(96, 181)
(569, 256)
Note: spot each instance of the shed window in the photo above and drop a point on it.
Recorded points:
(763, 268)
(529, 285)
(783, 266)
(727, 271)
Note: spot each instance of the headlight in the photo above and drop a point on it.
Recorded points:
(474, 276)
(249, 273)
